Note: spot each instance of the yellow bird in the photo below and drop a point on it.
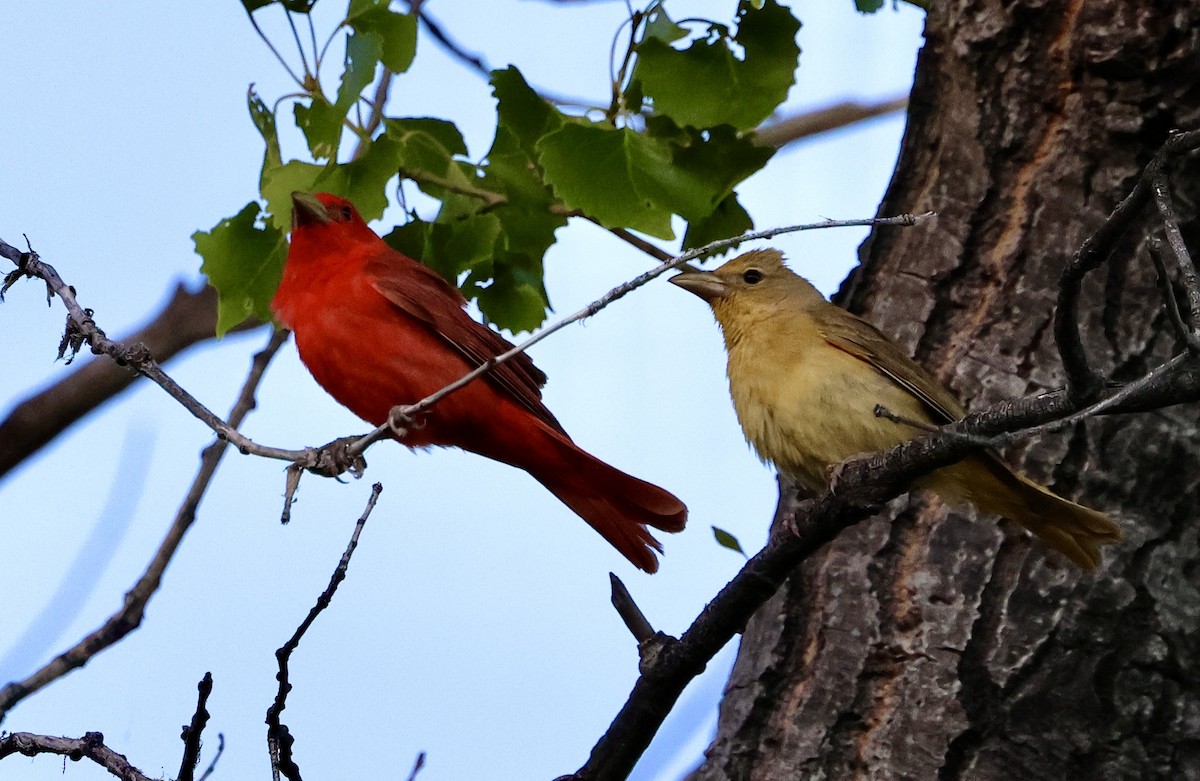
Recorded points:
(805, 377)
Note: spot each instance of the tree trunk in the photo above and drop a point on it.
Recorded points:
(929, 644)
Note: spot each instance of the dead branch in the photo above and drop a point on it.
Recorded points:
(279, 738)
(90, 746)
(193, 731)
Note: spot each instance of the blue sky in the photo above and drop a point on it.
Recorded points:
(475, 623)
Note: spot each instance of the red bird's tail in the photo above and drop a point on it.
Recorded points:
(617, 505)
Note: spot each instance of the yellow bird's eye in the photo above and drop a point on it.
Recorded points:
(752, 276)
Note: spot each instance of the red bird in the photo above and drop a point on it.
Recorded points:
(377, 329)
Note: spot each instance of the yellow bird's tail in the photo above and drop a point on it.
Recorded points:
(1075, 530)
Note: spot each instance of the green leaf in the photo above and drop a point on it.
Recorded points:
(321, 123)
(727, 540)
(395, 33)
(364, 179)
(719, 157)
(463, 245)
(409, 238)
(264, 120)
(278, 184)
(244, 261)
(727, 220)
(868, 6)
(660, 26)
(521, 111)
(706, 84)
(426, 154)
(516, 299)
(626, 179)
(607, 173)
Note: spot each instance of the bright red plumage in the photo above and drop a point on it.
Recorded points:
(377, 329)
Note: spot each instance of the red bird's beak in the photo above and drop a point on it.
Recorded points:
(307, 210)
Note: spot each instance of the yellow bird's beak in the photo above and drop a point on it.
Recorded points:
(705, 284)
(307, 210)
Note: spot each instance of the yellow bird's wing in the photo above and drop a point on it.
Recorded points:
(859, 338)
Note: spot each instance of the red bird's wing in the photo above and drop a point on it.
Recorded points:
(422, 293)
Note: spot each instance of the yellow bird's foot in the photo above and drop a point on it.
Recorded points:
(837, 472)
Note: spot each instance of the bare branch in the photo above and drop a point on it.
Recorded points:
(1166, 208)
(90, 746)
(192, 732)
(279, 738)
(781, 132)
(1182, 329)
(130, 616)
(630, 613)
(1082, 382)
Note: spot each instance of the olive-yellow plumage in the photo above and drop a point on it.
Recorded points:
(805, 377)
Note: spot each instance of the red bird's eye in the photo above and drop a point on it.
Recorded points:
(346, 213)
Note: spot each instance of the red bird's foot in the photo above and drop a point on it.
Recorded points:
(401, 422)
(336, 458)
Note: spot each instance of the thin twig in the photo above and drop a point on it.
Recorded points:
(781, 132)
(1110, 402)
(186, 320)
(630, 613)
(470, 59)
(378, 102)
(417, 765)
(208, 771)
(1182, 329)
(296, 36)
(279, 738)
(881, 411)
(1161, 186)
(491, 199)
(130, 616)
(271, 46)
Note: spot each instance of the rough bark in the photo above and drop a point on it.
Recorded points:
(929, 644)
